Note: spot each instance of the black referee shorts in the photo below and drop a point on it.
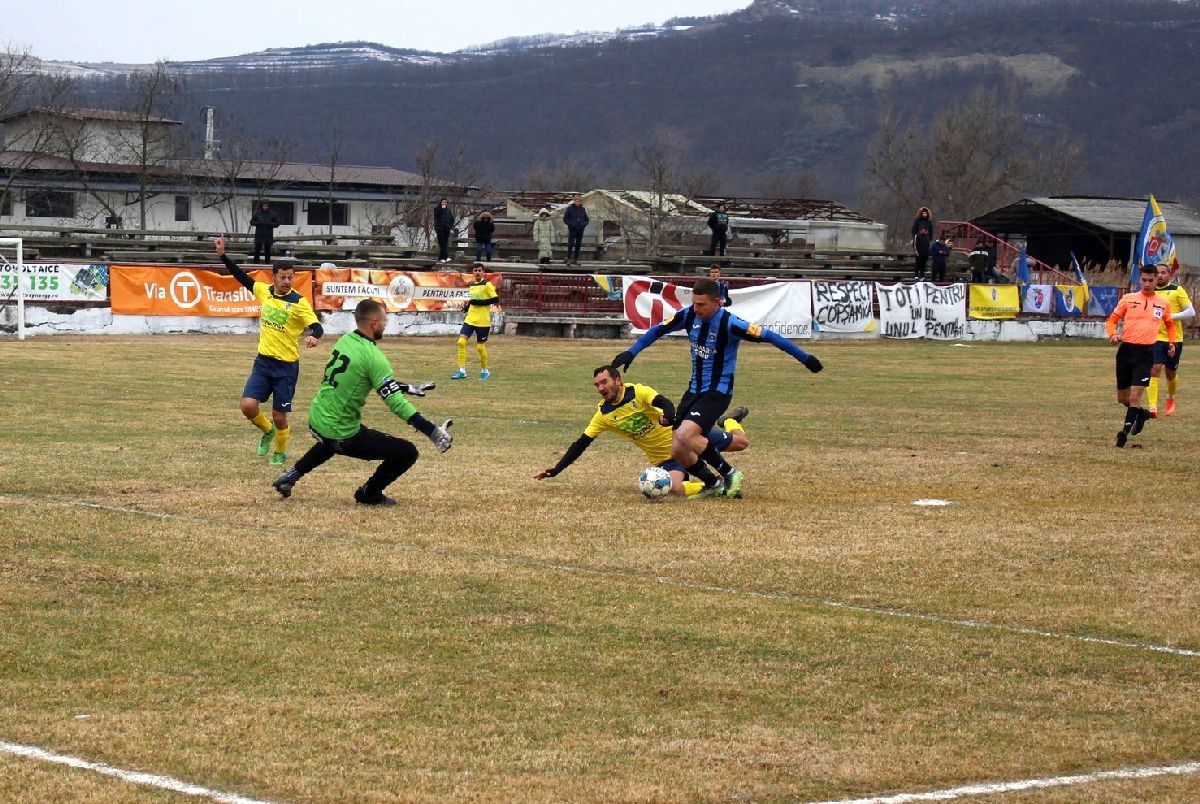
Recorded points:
(1134, 365)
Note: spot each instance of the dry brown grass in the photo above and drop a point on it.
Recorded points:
(497, 638)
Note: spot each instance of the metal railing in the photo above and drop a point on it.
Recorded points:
(964, 235)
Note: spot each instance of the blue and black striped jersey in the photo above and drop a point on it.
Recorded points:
(715, 345)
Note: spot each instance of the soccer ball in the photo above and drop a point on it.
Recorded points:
(654, 482)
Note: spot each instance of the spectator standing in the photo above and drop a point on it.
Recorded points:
(939, 253)
(543, 235)
(922, 238)
(718, 221)
(264, 220)
(443, 224)
(576, 219)
(714, 273)
(978, 260)
(485, 227)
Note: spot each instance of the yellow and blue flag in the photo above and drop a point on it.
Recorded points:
(1154, 243)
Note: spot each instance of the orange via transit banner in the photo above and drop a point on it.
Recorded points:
(400, 291)
(169, 290)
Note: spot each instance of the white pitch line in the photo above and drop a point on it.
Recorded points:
(878, 611)
(1027, 784)
(134, 777)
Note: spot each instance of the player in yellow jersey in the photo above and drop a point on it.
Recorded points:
(642, 415)
(1181, 311)
(285, 316)
(478, 323)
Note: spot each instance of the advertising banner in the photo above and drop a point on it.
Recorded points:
(58, 282)
(994, 301)
(782, 306)
(400, 291)
(843, 307)
(163, 290)
(1038, 299)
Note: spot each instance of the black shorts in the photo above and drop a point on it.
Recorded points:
(703, 409)
(1134, 364)
(1160, 355)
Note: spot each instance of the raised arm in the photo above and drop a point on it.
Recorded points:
(238, 274)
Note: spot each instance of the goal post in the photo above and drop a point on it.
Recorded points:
(16, 286)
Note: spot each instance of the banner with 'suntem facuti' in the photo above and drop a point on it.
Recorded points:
(785, 307)
(400, 291)
(165, 290)
(56, 282)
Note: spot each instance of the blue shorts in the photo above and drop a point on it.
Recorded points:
(1160, 355)
(480, 333)
(672, 465)
(275, 379)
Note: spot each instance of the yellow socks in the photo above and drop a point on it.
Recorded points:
(281, 439)
(482, 349)
(1172, 387)
(262, 421)
(1152, 393)
(733, 425)
(691, 487)
(462, 352)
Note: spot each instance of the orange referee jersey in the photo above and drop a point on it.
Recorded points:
(1142, 314)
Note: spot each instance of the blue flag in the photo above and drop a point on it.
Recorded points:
(1075, 266)
(1023, 269)
(1154, 245)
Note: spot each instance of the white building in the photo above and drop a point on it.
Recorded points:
(82, 168)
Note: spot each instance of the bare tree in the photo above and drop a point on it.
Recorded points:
(24, 86)
(453, 176)
(658, 160)
(972, 156)
(242, 160)
(569, 176)
(151, 145)
(788, 184)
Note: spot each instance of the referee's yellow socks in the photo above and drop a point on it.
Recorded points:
(262, 421)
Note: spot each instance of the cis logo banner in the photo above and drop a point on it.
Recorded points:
(163, 290)
(400, 291)
(994, 301)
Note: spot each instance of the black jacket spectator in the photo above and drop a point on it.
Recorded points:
(485, 227)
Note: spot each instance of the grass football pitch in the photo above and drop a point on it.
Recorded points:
(498, 638)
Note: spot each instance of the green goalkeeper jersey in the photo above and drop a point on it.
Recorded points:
(355, 368)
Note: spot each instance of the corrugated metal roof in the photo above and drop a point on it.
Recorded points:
(1122, 215)
(88, 114)
(285, 173)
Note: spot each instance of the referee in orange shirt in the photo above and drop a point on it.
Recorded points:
(1142, 312)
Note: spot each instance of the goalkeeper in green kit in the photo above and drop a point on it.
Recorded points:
(355, 368)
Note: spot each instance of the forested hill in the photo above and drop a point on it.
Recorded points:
(778, 89)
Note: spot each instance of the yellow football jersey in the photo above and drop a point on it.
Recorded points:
(634, 417)
(480, 315)
(281, 321)
(1178, 298)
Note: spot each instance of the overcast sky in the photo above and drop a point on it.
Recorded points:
(137, 31)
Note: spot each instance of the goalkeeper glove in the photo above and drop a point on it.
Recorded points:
(417, 388)
(441, 437)
(812, 364)
(623, 360)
